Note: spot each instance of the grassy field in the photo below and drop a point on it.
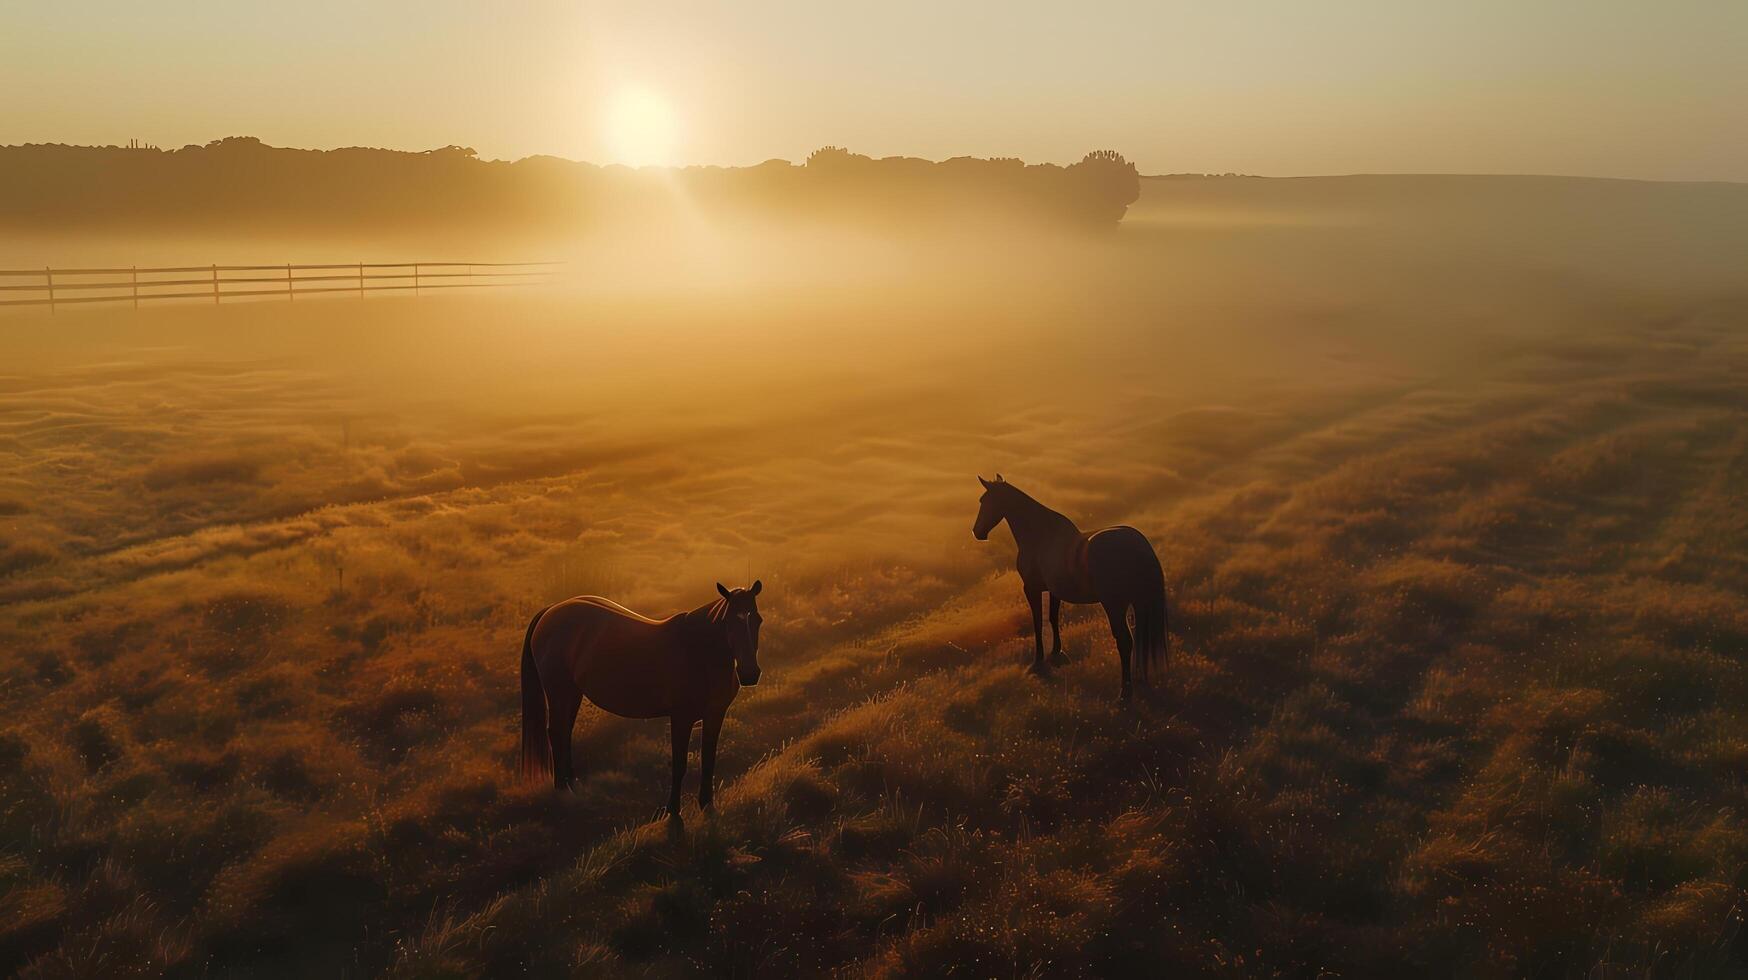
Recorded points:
(1451, 525)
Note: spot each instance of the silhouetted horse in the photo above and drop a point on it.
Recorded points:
(1115, 567)
(686, 668)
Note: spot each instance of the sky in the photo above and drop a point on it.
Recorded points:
(1620, 88)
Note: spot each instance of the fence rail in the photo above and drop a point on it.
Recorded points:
(49, 287)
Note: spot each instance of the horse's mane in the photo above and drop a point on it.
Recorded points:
(712, 613)
(1024, 497)
(1030, 508)
(706, 622)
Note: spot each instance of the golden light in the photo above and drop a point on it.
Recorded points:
(641, 128)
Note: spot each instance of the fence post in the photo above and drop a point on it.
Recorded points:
(415, 278)
(136, 285)
(360, 280)
(49, 275)
(290, 290)
(215, 284)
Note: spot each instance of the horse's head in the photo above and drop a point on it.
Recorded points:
(740, 619)
(992, 507)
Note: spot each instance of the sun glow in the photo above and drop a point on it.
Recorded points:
(641, 128)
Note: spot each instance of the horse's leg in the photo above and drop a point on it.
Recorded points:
(1119, 616)
(1035, 597)
(560, 723)
(681, 734)
(1057, 657)
(707, 760)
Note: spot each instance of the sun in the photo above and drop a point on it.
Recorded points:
(641, 128)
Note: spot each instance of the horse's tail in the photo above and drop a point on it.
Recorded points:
(536, 747)
(1152, 626)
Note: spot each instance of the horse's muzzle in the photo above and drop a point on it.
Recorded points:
(980, 534)
(749, 678)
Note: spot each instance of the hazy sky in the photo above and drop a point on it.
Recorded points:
(1631, 88)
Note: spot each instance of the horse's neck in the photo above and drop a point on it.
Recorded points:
(1032, 521)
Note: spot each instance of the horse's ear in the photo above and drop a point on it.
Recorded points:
(757, 585)
(722, 589)
(984, 482)
(998, 478)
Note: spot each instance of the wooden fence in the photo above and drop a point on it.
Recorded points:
(59, 287)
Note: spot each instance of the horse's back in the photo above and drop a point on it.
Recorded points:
(614, 607)
(613, 656)
(1121, 562)
(588, 615)
(1119, 537)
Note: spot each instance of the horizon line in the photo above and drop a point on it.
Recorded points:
(140, 145)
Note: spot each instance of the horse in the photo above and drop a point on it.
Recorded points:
(686, 668)
(1115, 567)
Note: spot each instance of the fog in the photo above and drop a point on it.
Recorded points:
(896, 363)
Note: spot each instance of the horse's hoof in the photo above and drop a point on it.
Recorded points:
(1059, 659)
(1039, 669)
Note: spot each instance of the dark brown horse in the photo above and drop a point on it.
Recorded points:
(686, 668)
(1115, 567)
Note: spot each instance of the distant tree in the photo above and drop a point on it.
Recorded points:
(1109, 184)
(827, 156)
(1107, 156)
